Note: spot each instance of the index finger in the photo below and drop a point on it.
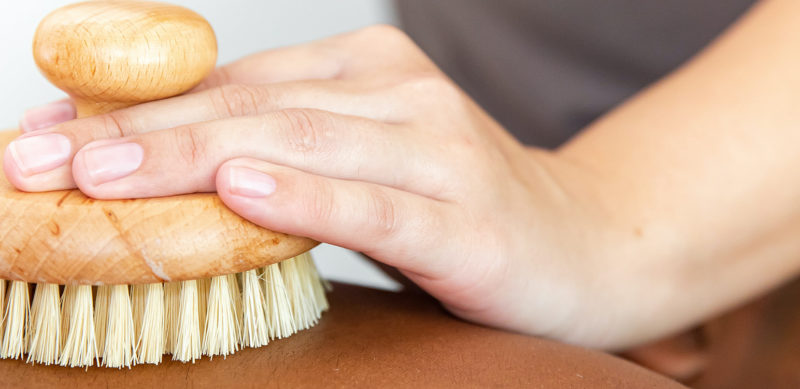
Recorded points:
(346, 56)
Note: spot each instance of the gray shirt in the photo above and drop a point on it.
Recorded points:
(546, 68)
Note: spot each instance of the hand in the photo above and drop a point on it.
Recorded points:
(360, 141)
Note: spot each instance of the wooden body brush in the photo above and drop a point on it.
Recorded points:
(203, 281)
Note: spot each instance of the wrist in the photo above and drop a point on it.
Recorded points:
(615, 259)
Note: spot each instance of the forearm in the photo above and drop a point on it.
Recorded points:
(699, 175)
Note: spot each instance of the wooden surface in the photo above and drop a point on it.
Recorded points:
(111, 54)
(371, 338)
(64, 237)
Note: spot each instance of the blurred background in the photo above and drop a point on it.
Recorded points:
(242, 27)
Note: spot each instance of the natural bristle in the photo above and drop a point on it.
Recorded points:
(16, 321)
(101, 316)
(280, 320)
(80, 346)
(187, 346)
(172, 302)
(150, 343)
(121, 326)
(119, 348)
(220, 337)
(254, 321)
(44, 340)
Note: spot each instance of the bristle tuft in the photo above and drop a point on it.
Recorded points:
(236, 297)
(187, 346)
(220, 337)
(45, 337)
(101, 316)
(301, 297)
(151, 338)
(280, 322)
(172, 303)
(254, 329)
(138, 292)
(315, 288)
(203, 288)
(16, 321)
(119, 350)
(80, 348)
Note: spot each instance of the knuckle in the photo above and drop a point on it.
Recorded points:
(319, 203)
(190, 144)
(220, 76)
(383, 31)
(437, 86)
(306, 131)
(469, 154)
(381, 213)
(117, 124)
(233, 100)
(463, 155)
(429, 89)
(384, 34)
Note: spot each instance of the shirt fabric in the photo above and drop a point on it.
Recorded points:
(545, 69)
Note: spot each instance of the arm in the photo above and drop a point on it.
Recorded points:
(673, 207)
(700, 174)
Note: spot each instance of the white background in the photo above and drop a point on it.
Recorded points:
(242, 27)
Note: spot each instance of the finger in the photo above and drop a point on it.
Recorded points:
(185, 159)
(400, 228)
(47, 115)
(303, 62)
(370, 50)
(242, 100)
(682, 356)
(49, 151)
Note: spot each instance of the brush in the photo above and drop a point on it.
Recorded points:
(118, 283)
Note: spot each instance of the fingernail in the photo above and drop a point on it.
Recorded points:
(47, 115)
(112, 162)
(250, 183)
(40, 153)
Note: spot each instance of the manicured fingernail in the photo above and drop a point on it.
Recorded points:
(40, 153)
(250, 183)
(112, 162)
(47, 115)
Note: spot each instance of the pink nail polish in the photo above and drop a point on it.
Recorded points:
(40, 153)
(250, 183)
(47, 115)
(112, 162)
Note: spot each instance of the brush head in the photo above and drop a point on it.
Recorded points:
(108, 55)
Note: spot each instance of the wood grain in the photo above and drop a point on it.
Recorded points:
(112, 54)
(65, 237)
(108, 55)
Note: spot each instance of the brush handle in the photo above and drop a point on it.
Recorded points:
(108, 55)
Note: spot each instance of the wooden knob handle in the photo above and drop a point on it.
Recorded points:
(109, 55)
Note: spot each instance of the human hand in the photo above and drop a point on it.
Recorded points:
(360, 141)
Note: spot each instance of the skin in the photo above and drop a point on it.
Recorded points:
(679, 204)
